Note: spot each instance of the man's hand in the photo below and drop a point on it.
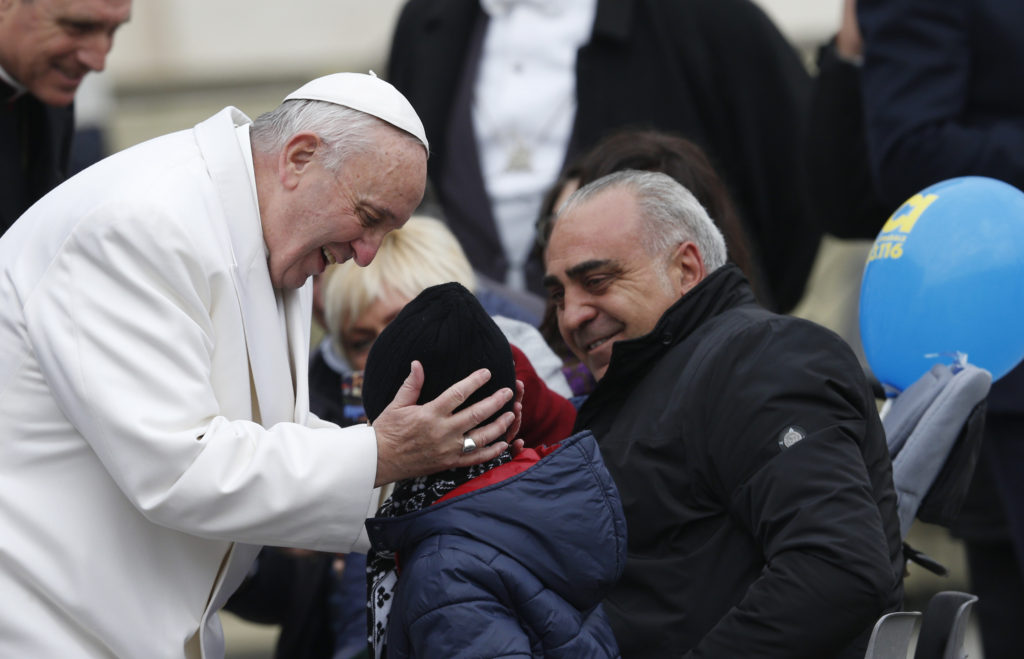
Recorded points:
(415, 440)
(849, 42)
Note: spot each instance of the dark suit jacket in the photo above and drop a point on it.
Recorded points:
(35, 143)
(939, 91)
(715, 71)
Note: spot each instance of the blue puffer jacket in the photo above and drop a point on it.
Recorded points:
(516, 569)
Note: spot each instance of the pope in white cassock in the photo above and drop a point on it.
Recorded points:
(154, 329)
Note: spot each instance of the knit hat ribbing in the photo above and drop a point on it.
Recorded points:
(447, 330)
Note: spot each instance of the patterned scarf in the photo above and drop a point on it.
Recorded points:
(381, 574)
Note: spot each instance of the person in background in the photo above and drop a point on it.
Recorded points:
(318, 599)
(46, 49)
(842, 194)
(507, 558)
(840, 184)
(937, 105)
(513, 90)
(746, 445)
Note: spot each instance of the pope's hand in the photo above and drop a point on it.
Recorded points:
(415, 440)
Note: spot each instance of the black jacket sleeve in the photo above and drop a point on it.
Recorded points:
(810, 502)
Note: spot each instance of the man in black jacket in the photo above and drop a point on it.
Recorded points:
(46, 49)
(746, 445)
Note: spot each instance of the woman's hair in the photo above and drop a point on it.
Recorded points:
(421, 254)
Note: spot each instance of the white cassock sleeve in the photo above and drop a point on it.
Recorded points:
(123, 324)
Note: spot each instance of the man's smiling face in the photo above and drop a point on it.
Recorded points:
(49, 45)
(604, 283)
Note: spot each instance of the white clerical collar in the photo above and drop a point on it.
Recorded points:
(19, 88)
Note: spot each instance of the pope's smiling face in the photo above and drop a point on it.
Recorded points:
(49, 45)
(604, 283)
(330, 217)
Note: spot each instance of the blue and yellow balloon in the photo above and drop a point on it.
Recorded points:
(946, 276)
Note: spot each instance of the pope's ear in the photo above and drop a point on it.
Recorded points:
(296, 156)
(688, 266)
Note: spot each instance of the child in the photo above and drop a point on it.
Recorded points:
(507, 558)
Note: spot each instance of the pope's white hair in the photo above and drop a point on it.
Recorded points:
(344, 131)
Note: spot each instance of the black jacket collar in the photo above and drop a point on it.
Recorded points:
(720, 291)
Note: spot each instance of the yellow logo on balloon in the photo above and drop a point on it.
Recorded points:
(889, 244)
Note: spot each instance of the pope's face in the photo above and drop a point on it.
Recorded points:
(49, 45)
(332, 217)
(604, 283)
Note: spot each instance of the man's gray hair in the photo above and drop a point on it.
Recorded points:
(669, 213)
(346, 132)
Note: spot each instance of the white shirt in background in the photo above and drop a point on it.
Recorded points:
(524, 108)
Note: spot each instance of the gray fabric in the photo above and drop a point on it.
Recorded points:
(921, 426)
